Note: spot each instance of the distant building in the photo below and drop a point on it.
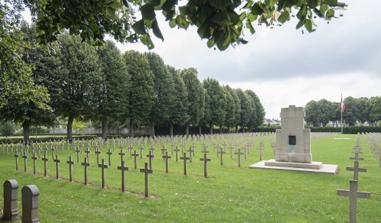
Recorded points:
(271, 122)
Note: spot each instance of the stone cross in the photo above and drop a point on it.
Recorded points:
(45, 159)
(353, 194)
(109, 153)
(57, 161)
(25, 157)
(166, 157)
(206, 160)
(103, 166)
(191, 151)
(86, 164)
(70, 163)
(17, 161)
(10, 200)
(123, 168)
(121, 154)
(77, 151)
(34, 158)
(87, 151)
(150, 156)
(177, 153)
(221, 152)
(356, 169)
(30, 195)
(135, 155)
(146, 171)
(97, 152)
(357, 157)
(239, 153)
(185, 158)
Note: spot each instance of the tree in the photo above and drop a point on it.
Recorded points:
(7, 128)
(196, 98)
(319, 113)
(141, 93)
(349, 116)
(112, 94)
(375, 111)
(215, 104)
(230, 108)
(362, 109)
(179, 113)
(73, 91)
(245, 108)
(164, 91)
(258, 112)
(222, 23)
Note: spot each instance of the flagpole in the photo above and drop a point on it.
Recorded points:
(341, 113)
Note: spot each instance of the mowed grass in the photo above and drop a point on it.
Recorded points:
(230, 194)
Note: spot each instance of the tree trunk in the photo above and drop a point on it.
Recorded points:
(200, 130)
(171, 129)
(104, 129)
(153, 130)
(187, 130)
(70, 129)
(26, 132)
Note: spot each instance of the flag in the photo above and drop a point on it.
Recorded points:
(342, 106)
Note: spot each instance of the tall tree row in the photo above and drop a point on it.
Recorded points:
(76, 80)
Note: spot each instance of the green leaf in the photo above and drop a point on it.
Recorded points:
(285, 16)
(139, 27)
(312, 3)
(300, 24)
(256, 9)
(210, 43)
(156, 30)
(323, 8)
(148, 12)
(308, 25)
(330, 13)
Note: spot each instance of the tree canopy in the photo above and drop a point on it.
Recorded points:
(221, 22)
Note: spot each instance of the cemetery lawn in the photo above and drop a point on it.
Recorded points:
(230, 194)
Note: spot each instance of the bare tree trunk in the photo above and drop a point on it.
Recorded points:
(171, 129)
(70, 129)
(26, 132)
(104, 129)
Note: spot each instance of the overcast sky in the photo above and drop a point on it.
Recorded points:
(284, 66)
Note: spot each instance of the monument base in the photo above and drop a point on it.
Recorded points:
(313, 167)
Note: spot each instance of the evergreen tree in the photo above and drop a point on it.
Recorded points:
(230, 108)
(245, 109)
(141, 93)
(258, 112)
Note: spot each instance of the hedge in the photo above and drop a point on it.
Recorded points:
(48, 138)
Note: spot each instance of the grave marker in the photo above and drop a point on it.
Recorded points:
(166, 157)
(85, 164)
(17, 161)
(109, 153)
(221, 152)
(30, 195)
(57, 161)
(239, 153)
(135, 155)
(97, 153)
(45, 159)
(103, 166)
(34, 158)
(25, 157)
(356, 169)
(206, 160)
(353, 194)
(121, 154)
(123, 168)
(10, 200)
(177, 153)
(150, 156)
(70, 163)
(146, 171)
(77, 151)
(185, 158)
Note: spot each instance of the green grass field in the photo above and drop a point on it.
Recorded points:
(230, 194)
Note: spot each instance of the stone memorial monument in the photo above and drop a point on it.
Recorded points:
(293, 146)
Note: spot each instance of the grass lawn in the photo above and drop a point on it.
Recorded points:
(230, 194)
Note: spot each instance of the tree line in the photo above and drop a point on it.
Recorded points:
(73, 79)
(356, 111)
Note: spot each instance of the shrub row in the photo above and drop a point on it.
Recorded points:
(47, 138)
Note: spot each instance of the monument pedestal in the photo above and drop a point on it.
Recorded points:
(313, 167)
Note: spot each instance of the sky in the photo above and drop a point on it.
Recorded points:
(285, 67)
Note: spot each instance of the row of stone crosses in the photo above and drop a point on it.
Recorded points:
(29, 199)
(353, 192)
(187, 156)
